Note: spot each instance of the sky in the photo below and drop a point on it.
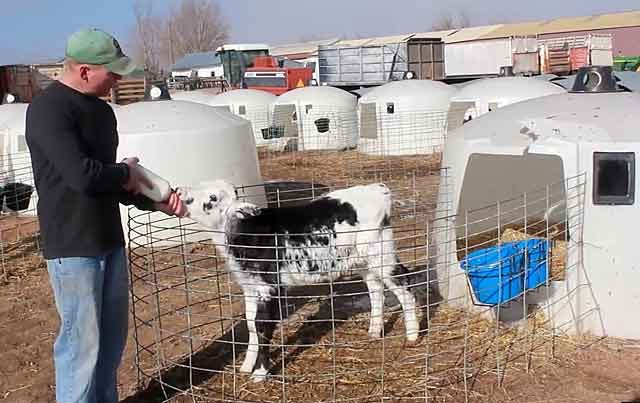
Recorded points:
(35, 31)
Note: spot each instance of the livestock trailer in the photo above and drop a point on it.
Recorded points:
(372, 62)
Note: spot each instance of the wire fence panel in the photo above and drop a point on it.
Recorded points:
(192, 328)
(19, 227)
(496, 288)
(400, 131)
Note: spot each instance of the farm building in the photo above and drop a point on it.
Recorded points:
(253, 105)
(206, 64)
(404, 117)
(316, 118)
(565, 174)
(488, 94)
(560, 46)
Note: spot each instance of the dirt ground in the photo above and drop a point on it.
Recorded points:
(608, 371)
(605, 371)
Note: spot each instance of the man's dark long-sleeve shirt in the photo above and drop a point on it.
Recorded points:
(72, 138)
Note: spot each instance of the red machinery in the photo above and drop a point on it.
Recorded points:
(267, 74)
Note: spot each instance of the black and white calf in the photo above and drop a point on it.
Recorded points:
(343, 232)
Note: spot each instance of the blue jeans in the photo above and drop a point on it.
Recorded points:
(92, 300)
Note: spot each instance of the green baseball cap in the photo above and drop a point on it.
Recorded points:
(93, 46)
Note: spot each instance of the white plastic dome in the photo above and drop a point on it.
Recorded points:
(12, 129)
(550, 159)
(188, 143)
(491, 93)
(317, 118)
(423, 94)
(253, 105)
(320, 95)
(197, 96)
(12, 116)
(240, 96)
(404, 117)
(15, 160)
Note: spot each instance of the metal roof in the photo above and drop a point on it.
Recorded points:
(243, 46)
(433, 34)
(200, 59)
(301, 47)
(470, 33)
(382, 40)
(567, 24)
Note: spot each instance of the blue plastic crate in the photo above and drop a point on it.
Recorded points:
(497, 274)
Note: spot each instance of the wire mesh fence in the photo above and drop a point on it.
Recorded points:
(261, 118)
(307, 127)
(464, 270)
(19, 227)
(396, 130)
(495, 289)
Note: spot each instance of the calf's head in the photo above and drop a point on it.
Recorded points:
(208, 203)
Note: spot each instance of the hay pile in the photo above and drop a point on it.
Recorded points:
(557, 235)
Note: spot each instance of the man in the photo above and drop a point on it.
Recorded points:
(72, 138)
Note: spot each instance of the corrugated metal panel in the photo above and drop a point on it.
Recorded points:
(524, 44)
(626, 19)
(579, 57)
(44, 75)
(434, 34)
(470, 34)
(477, 58)
(601, 42)
(573, 41)
(426, 58)
(302, 47)
(508, 30)
(382, 40)
(18, 80)
(557, 61)
(601, 57)
(526, 63)
(360, 65)
(559, 25)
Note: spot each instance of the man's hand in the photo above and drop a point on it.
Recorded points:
(136, 179)
(173, 206)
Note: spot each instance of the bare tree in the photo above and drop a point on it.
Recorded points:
(146, 35)
(451, 20)
(192, 26)
(195, 26)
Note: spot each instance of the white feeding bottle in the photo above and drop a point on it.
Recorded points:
(161, 189)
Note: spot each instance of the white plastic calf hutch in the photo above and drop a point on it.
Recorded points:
(12, 127)
(197, 96)
(188, 143)
(16, 177)
(404, 117)
(489, 94)
(316, 118)
(253, 105)
(561, 169)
